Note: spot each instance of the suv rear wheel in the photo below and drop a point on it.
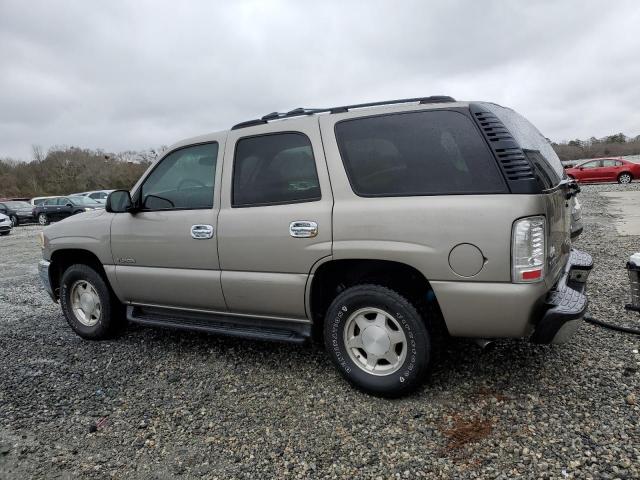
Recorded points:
(88, 304)
(377, 340)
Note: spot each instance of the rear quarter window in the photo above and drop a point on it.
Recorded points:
(535, 146)
(436, 152)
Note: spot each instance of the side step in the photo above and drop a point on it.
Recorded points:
(256, 328)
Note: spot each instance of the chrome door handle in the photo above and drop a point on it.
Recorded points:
(201, 232)
(303, 229)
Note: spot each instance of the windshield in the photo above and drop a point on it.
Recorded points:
(18, 204)
(84, 201)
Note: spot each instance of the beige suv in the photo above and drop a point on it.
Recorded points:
(373, 227)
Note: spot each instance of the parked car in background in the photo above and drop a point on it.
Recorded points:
(18, 211)
(14, 199)
(58, 208)
(99, 196)
(35, 201)
(605, 170)
(5, 225)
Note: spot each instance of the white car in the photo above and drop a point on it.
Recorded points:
(5, 225)
(99, 196)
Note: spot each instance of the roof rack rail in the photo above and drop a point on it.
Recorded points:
(297, 112)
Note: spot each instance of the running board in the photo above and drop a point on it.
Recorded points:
(255, 328)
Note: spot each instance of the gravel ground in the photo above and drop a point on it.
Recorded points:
(159, 404)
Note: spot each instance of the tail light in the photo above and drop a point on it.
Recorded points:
(528, 249)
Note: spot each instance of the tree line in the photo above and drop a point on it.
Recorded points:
(65, 170)
(610, 146)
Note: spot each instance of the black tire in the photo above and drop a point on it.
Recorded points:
(14, 220)
(415, 365)
(111, 318)
(625, 178)
(5, 233)
(43, 219)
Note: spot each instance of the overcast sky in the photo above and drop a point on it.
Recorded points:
(122, 75)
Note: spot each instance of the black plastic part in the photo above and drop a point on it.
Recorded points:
(249, 123)
(245, 327)
(567, 300)
(515, 166)
(297, 112)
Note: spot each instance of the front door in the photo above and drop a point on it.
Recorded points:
(167, 253)
(64, 209)
(275, 220)
(591, 171)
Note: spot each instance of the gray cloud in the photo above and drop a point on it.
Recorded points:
(128, 75)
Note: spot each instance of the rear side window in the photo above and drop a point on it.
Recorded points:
(417, 153)
(274, 169)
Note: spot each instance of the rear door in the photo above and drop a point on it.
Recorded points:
(166, 255)
(610, 169)
(275, 220)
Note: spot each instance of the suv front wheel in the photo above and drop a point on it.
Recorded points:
(88, 304)
(377, 340)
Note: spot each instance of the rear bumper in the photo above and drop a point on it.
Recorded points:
(43, 270)
(566, 303)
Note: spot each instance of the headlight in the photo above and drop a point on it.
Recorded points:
(528, 249)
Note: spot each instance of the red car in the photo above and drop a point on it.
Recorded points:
(605, 170)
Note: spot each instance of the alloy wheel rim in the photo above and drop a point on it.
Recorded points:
(375, 341)
(625, 178)
(85, 303)
(42, 219)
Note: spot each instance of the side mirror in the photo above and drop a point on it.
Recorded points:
(69, 205)
(119, 201)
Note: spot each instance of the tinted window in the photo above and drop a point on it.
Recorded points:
(83, 201)
(183, 179)
(273, 169)
(51, 201)
(62, 201)
(595, 164)
(421, 153)
(16, 205)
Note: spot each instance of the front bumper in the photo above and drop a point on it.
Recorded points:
(43, 270)
(566, 303)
